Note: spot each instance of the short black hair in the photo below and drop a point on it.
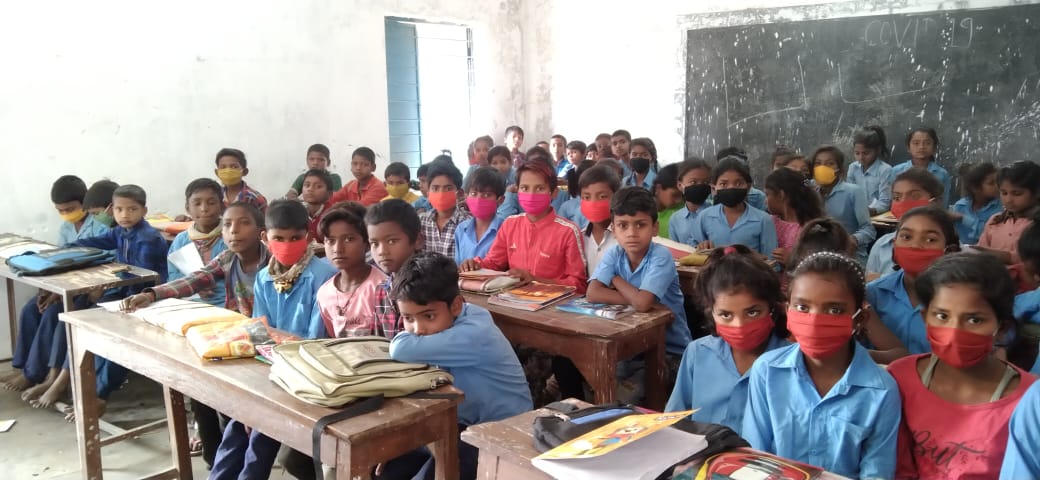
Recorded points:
(351, 212)
(486, 178)
(691, 163)
(321, 174)
(200, 184)
(398, 169)
(834, 263)
(836, 152)
(397, 211)
(426, 277)
(252, 210)
(621, 133)
(421, 171)
(322, 149)
(133, 192)
(366, 153)
(873, 137)
(68, 188)
(287, 214)
(941, 217)
(598, 173)
(578, 145)
(499, 151)
(925, 130)
(603, 135)
(731, 164)
(514, 128)
(668, 176)
(732, 151)
(446, 169)
(974, 175)
(561, 137)
(1029, 245)
(633, 200)
(738, 269)
(231, 152)
(648, 145)
(984, 272)
(99, 195)
(1022, 174)
(922, 178)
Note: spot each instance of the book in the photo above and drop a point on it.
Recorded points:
(531, 297)
(678, 250)
(234, 339)
(749, 464)
(583, 306)
(13, 244)
(177, 316)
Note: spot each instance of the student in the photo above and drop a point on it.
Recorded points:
(745, 315)
(799, 164)
(824, 401)
(910, 189)
(782, 155)
(98, 203)
(485, 190)
(204, 205)
(1019, 192)
(285, 293)
(346, 301)
(441, 329)
(398, 178)
(842, 200)
(620, 145)
(538, 245)
(394, 235)
(597, 187)
(603, 145)
(957, 401)
(733, 220)
(694, 181)
(1027, 304)
(480, 147)
(575, 155)
(543, 145)
(231, 167)
(316, 196)
(819, 235)
(980, 202)
(592, 153)
(422, 204)
(514, 139)
(511, 205)
(756, 198)
(365, 188)
(669, 197)
(439, 224)
(643, 162)
(871, 171)
(793, 203)
(500, 159)
(1022, 458)
(922, 142)
(558, 148)
(318, 158)
(571, 209)
(924, 234)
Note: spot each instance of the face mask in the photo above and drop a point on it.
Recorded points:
(74, 216)
(959, 348)
(748, 336)
(442, 201)
(901, 207)
(105, 218)
(482, 208)
(596, 210)
(913, 261)
(820, 335)
(397, 191)
(731, 197)
(696, 194)
(534, 203)
(229, 176)
(288, 253)
(824, 175)
(640, 165)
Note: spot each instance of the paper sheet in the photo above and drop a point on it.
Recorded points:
(187, 259)
(6, 425)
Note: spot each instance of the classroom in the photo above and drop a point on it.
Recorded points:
(521, 239)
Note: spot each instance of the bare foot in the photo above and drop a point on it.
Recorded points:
(55, 392)
(34, 392)
(17, 384)
(10, 376)
(70, 411)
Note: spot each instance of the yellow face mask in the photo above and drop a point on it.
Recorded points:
(230, 176)
(399, 190)
(824, 175)
(74, 216)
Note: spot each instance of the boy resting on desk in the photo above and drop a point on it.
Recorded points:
(441, 329)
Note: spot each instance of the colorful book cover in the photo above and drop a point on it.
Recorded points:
(583, 306)
(614, 435)
(749, 464)
(536, 292)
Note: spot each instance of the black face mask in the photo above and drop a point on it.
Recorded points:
(731, 197)
(640, 165)
(696, 194)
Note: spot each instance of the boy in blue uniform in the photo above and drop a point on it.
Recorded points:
(485, 190)
(202, 200)
(1022, 457)
(286, 293)
(441, 329)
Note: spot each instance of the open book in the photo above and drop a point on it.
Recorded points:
(177, 316)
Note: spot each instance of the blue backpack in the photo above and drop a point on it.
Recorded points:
(58, 260)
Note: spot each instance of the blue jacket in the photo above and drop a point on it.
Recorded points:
(140, 246)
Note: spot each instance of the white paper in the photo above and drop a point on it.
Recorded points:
(187, 259)
(6, 425)
(643, 459)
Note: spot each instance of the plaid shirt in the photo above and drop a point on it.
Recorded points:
(236, 299)
(140, 246)
(247, 195)
(442, 241)
(387, 317)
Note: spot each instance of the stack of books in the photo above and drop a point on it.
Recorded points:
(531, 297)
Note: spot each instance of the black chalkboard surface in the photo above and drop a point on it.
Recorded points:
(974, 75)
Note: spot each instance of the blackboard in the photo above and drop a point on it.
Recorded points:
(974, 75)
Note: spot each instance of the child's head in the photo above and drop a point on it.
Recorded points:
(787, 190)
(243, 226)
(922, 142)
(799, 164)
(481, 146)
(923, 235)
(543, 145)
(620, 142)
(1029, 252)
(445, 186)
(602, 144)
(424, 184)
(666, 189)
(966, 300)
(535, 182)
(642, 155)
(915, 187)
(67, 195)
(397, 177)
(317, 187)
(393, 233)
(318, 157)
(1019, 185)
(979, 181)
(733, 151)
(574, 175)
(346, 237)
(576, 152)
(827, 296)
(485, 189)
(869, 144)
(514, 137)
(286, 222)
(558, 146)
(616, 165)
(362, 163)
(426, 290)
(596, 185)
(731, 180)
(694, 180)
(231, 166)
(820, 235)
(500, 159)
(98, 201)
(828, 165)
(738, 290)
(782, 155)
(634, 217)
(129, 205)
(204, 203)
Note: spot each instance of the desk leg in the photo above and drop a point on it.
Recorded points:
(88, 435)
(446, 449)
(12, 314)
(656, 378)
(178, 426)
(597, 362)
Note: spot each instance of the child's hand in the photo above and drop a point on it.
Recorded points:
(524, 276)
(780, 255)
(133, 302)
(705, 245)
(291, 195)
(45, 300)
(469, 265)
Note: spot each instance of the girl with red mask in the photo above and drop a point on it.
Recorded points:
(824, 401)
(957, 401)
(912, 188)
(745, 313)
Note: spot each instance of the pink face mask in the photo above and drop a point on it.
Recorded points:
(482, 208)
(534, 203)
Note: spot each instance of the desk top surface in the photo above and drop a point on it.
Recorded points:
(83, 280)
(551, 319)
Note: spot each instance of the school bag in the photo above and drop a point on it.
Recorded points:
(57, 260)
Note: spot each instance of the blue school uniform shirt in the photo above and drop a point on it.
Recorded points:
(847, 203)
(708, 380)
(67, 233)
(477, 354)
(468, 246)
(180, 241)
(656, 274)
(422, 205)
(934, 169)
(969, 227)
(757, 198)
(754, 229)
(571, 210)
(680, 226)
(892, 304)
(880, 259)
(140, 246)
(851, 431)
(876, 182)
(295, 311)
(648, 181)
(564, 167)
(1027, 309)
(1022, 456)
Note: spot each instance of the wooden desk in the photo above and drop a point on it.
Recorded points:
(687, 275)
(241, 389)
(595, 345)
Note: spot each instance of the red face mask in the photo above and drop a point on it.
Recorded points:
(442, 201)
(748, 336)
(959, 348)
(596, 210)
(288, 253)
(819, 335)
(913, 261)
(901, 207)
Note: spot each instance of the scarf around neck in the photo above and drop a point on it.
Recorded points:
(285, 278)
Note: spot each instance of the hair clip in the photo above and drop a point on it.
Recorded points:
(817, 229)
(728, 250)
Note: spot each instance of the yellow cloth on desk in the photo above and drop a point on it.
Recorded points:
(234, 339)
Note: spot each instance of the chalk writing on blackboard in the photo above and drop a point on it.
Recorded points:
(803, 106)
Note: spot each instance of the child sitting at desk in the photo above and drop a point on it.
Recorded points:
(317, 189)
(202, 201)
(347, 300)
(318, 158)
(397, 178)
(439, 223)
(231, 167)
(394, 235)
(485, 190)
(365, 188)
